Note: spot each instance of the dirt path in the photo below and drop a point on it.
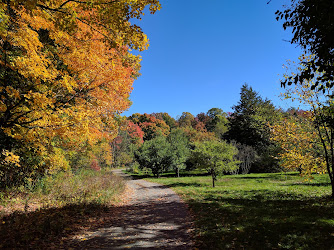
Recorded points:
(153, 218)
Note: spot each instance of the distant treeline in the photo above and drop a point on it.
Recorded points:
(252, 129)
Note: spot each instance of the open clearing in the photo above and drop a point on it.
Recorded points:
(259, 211)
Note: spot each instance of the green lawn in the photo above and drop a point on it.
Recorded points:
(259, 211)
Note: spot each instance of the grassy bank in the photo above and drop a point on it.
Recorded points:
(259, 211)
(43, 213)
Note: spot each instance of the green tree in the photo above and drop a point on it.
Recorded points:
(155, 155)
(180, 151)
(218, 123)
(248, 125)
(312, 23)
(186, 120)
(215, 157)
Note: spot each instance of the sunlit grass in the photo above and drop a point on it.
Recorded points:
(259, 211)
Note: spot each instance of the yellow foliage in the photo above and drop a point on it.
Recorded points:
(9, 158)
(57, 161)
(298, 140)
(69, 72)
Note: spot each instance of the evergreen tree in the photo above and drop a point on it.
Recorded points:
(248, 125)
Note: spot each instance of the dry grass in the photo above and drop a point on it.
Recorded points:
(85, 186)
(41, 213)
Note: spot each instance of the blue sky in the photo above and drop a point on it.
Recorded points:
(202, 52)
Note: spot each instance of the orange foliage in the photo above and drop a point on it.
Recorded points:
(66, 72)
(151, 126)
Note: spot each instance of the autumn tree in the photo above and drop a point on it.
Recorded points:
(136, 134)
(150, 125)
(170, 121)
(204, 119)
(321, 113)
(214, 156)
(186, 120)
(129, 139)
(194, 135)
(299, 143)
(66, 73)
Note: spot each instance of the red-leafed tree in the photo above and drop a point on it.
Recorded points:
(199, 126)
(136, 133)
(204, 118)
(150, 125)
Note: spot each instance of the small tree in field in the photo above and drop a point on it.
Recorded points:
(215, 156)
(179, 149)
(155, 155)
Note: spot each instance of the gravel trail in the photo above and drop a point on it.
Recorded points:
(153, 218)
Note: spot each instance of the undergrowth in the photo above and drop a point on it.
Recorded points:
(40, 213)
(64, 188)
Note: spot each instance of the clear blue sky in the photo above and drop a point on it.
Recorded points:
(202, 52)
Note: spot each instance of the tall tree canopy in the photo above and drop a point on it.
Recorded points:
(151, 125)
(312, 23)
(186, 120)
(66, 70)
(248, 125)
(170, 121)
(218, 122)
(248, 121)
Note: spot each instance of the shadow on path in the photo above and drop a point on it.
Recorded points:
(153, 218)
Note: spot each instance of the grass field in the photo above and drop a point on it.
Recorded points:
(259, 211)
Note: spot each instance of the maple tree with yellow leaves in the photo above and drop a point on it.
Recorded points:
(66, 75)
(317, 132)
(299, 143)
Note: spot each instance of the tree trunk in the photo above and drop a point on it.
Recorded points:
(178, 172)
(331, 177)
(213, 178)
